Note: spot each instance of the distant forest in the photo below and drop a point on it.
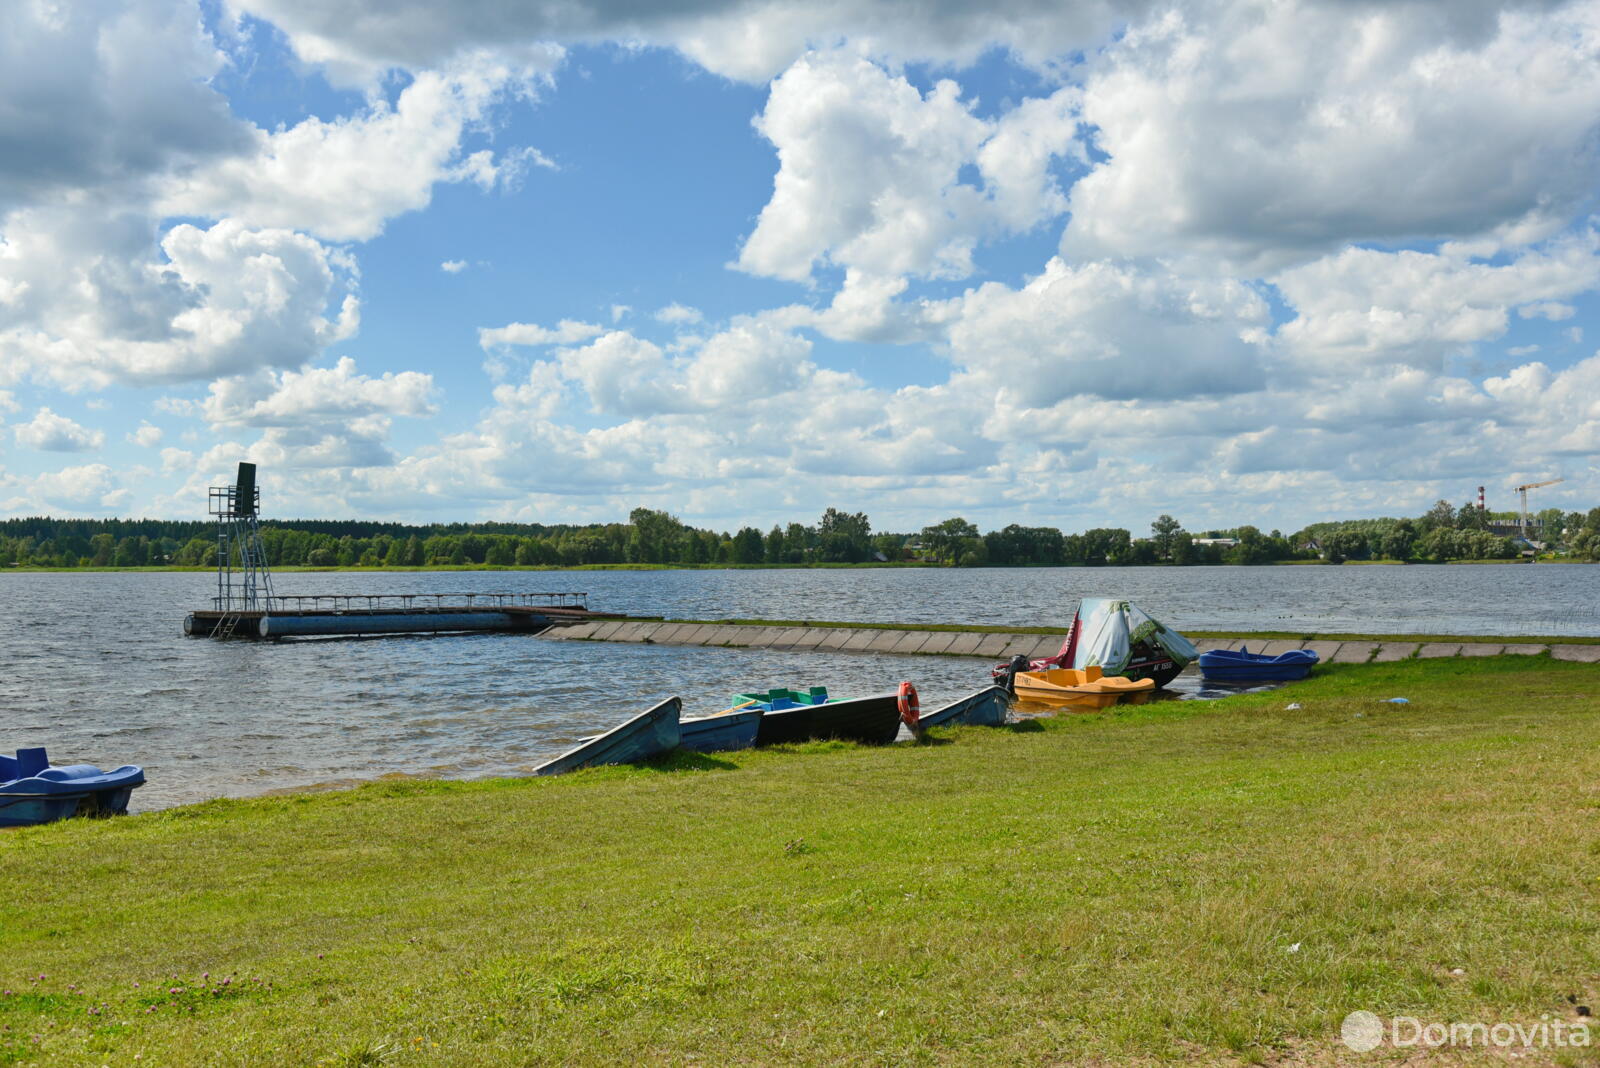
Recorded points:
(1443, 533)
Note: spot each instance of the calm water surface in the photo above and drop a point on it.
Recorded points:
(95, 665)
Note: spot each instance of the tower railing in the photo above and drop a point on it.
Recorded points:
(418, 602)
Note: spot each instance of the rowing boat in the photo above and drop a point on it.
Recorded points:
(734, 729)
(871, 720)
(649, 733)
(986, 708)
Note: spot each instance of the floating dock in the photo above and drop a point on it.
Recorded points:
(246, 606)
(323, 615)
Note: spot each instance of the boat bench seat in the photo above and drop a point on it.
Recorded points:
(29, 763)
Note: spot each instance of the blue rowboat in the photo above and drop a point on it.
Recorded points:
(31, 791)
(1240, 665)
(870, 720)
(733, 729)
(986, 708)
(642, 737)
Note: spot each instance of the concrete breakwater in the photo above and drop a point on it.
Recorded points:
(999, 646)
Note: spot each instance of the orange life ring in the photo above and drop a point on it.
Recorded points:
(910, 709)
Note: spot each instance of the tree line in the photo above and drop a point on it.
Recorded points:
(1444, 532)
(1450, 532)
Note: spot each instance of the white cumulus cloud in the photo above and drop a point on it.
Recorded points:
(319, 417)
(746, 39)
(90, 488)
(103, 95)
(103, 306)
(1553, 310)
(868, 173)
(566, 332)
(678, 314)
(344, 179)
(56, 433)
(1270, 132)
(147, 436)
(1111, 331)
(1415, 307)
(317, 395)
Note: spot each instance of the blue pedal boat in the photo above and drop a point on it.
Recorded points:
(986, 708)
(649, 733)
(1241, 665)
(722, 733)
(32, 791)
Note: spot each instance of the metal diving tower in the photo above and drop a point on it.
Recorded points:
(244, 580)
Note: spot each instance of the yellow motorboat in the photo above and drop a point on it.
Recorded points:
(1081, 688)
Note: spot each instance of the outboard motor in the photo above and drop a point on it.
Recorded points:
(1008, 675)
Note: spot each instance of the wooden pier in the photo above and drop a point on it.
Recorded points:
(323, 615)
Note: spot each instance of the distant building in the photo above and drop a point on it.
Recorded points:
(1226, 543)
(1512, 528)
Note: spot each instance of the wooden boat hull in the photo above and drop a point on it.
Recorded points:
(645, 735)
(720, 734)
(986, 708)
(869, 720)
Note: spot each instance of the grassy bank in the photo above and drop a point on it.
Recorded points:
(1221, 880)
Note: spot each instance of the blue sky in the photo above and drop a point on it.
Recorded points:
(1266, 262)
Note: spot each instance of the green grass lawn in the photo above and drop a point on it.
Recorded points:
(1219, 881)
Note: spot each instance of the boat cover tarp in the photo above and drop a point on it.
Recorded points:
(1106, 630)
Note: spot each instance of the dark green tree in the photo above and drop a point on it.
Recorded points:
(945, 541)
(747, 546)
(1162, 532)
(843, 537)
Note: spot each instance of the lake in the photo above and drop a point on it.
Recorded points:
(97, 667)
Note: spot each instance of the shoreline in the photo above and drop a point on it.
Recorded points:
(1413, 651)
(1049, 862)
(1190, 633)
(981, 645)
(1003, 643)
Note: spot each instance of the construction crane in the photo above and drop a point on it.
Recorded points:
(1522, 492)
